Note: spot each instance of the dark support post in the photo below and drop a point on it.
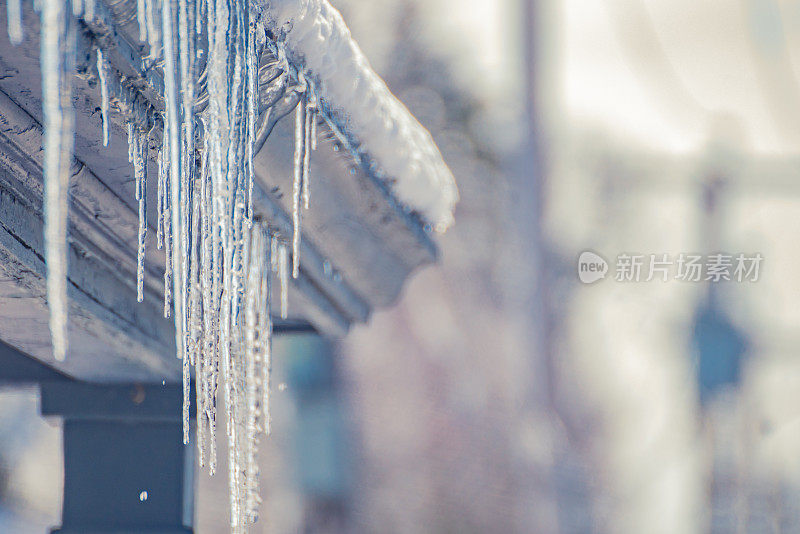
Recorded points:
(126, 469)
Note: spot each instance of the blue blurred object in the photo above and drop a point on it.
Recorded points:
(719, 347)
(322, 443)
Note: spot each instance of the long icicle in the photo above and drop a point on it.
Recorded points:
(176, 200)
(101, 73)
(307, 154)
(283, 274)
(166, 220)
(297, 182)
(88, 9)
(14, 16)
(140, 157)
(160, 199)
(314, 130)
(57, 47)
(141, 17)
(265, 330)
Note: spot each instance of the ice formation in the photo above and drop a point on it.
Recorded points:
(57, 59)
(101, 74)
(14, 18)
(231, 69)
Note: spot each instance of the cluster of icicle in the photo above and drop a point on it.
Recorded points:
(219, 257)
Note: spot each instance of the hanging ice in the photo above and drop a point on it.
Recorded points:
(14, 16)
(283, 274)
(88, 9)
(297, 183)
(220, 258)
(57, 59)
(138, 155)
(307, 127)
(101, 74)
(141, 14)
(202, 219)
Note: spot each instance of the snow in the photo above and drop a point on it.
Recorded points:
(316, 37)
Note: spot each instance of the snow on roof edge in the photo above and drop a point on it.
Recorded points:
(315, 36)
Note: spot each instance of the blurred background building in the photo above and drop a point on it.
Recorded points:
(500, 394)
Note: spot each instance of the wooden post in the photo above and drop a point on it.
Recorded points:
(126, 469)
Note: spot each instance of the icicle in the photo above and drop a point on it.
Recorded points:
(206, 377)
(283, 274)
(299, 149)
(160, 200)
(187, 377)
(14, 16)
(166, 220)
(88, 9)
(131, 138)
(141, 18)
(101, 73)
(307, 155)
(175, 200)
(77, 7)
(266, 329)
(195, 320)
(252, 111)
(152, 29)
(314, 130)
(273, 253)
(140, 155)
(254, 361)
(57, 30)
